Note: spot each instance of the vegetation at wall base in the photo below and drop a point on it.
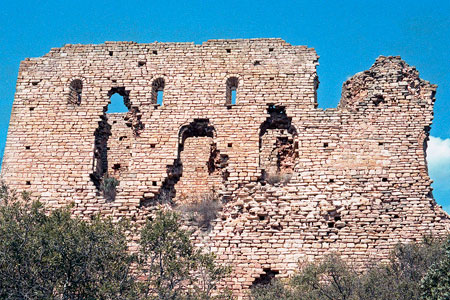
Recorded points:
(53, 255)
(415, 271)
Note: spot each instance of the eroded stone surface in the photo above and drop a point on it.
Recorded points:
(351, 180)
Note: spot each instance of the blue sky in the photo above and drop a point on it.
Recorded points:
(348, 36)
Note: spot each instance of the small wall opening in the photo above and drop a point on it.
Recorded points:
(75, 90)
(265, 278)
(158, 91)
(231, 92)
(378, 99)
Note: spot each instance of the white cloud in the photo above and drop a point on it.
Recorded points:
(438, 152)
(438, 157)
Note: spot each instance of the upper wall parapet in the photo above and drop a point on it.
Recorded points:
(269, 71)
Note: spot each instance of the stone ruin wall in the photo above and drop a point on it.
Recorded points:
(296, 181)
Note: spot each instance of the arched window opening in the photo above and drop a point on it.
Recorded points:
(76, 88)
(158, 91)
(232, 85)
(119, 101)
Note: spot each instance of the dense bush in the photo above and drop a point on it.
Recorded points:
(174, 269)
(203, 211)
(415, 271)
(57, 256)
(436, 283)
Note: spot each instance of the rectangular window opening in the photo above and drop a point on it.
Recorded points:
(233, 97)
(159, 97)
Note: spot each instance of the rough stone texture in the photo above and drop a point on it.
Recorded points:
(296, 181)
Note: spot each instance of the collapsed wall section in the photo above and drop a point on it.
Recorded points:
(294, 182)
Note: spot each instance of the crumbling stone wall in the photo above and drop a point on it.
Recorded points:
(353, 180)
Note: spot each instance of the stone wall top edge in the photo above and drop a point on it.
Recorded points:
(54, 52)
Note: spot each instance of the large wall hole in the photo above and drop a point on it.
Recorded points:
(119, 123)
(278, 148)
(198, 170)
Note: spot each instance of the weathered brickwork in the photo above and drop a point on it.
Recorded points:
(296, 181)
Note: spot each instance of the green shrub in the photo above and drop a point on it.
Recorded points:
(415, 271)
(54, 256)
(108, 187)
(203, 211)
(436, 283)
(173, 268)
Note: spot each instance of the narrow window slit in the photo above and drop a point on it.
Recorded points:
(158, 91)
(231, 90)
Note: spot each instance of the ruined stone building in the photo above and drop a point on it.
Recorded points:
(239, 121)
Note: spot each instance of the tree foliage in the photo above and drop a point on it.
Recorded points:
(404, 277)
(174, 269)
(53, 255)
(436, 284)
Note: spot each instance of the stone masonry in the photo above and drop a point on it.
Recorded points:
(295, 181)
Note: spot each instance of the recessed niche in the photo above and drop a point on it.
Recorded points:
(155, 52)
(141, 63)
(111, 53)
(270, 49)
(28, 182)
(152, 145)
(28, 147)
(228, 50)
(116, 167)
(380, 144)
(122, 138)
(271, 78)
(261, 218)
(331, 180)
(31, 108)
(384, 179)
(325, 145)
(257, 63)
(154, 183)
(230, 145)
